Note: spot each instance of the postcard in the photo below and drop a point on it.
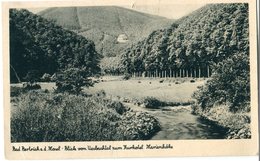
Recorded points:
(113, 79)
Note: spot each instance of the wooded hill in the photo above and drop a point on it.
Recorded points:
(191, 45)
(105, 24)
(40, 46)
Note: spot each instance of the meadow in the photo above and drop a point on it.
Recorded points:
(164, 89)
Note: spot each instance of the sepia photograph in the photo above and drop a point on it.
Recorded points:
(121, 72)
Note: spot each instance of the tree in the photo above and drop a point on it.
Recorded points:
(72, 80)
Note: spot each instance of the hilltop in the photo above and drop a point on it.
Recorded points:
(111, 28)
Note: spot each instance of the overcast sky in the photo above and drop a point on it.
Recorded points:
(172, 11)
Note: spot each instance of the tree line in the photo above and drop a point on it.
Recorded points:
(199, 41)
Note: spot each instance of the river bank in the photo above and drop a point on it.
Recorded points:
(238, 124)
(178, 123)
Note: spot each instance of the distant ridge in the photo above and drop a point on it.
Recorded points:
(104, 24)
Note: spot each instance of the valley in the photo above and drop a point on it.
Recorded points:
(104, 24)
(108, 73)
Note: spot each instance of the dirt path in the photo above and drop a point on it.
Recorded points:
(179, 124)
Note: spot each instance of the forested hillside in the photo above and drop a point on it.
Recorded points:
(105, 24)
(192, 45)
(40, 46)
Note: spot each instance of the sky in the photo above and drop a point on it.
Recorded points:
(171, 11)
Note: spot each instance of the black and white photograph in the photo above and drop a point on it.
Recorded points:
(135, 71)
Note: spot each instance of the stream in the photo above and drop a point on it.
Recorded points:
(178, 123)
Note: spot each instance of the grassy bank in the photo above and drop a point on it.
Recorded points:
(238, 123)
(40, 115)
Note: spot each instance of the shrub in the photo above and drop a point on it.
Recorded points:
(192, 81)
(118, 106)
(101, 93)
(151, 102)
(126, 76)
(16, 91)
(139, 126)
(31, 86)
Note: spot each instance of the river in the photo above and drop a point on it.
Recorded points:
(178, 123)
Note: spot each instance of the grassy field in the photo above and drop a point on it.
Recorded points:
(140, 88)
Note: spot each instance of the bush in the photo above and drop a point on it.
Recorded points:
(230, 85)
(139, 126)
(31, 86)
(192, 81)
(151, 102)
(126, 76)
(101, 93)
(16, 91)
(118, 106)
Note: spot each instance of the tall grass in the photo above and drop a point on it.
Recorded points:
(61, 117)
(37, 116)
(238, 123)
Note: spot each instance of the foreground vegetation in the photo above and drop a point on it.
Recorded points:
(39, 115)
(238, 124)
(225, 98)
